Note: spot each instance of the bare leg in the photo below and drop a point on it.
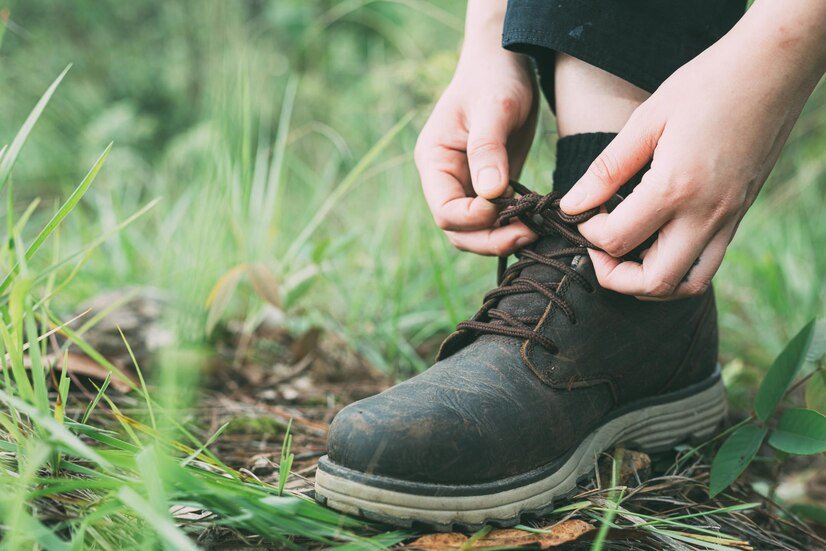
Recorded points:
(589, 99)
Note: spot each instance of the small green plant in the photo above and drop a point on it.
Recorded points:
(797, 431)
(613, 501)
(286, 462)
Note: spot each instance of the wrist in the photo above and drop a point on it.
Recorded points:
(484, 21)
(786, 41)
(483, 29)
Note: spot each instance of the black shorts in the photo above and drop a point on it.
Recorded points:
(640, 41)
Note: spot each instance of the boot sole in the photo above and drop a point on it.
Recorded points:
(653, 425)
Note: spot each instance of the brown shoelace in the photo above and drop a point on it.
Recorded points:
(541, 213)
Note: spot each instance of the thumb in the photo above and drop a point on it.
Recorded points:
(626, 155)
(487, 154)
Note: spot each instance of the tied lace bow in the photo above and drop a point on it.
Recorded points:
(540, 213)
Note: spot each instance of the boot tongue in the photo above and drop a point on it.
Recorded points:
(533, 304)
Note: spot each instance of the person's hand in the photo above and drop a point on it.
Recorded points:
(713, 132)
(475, 140)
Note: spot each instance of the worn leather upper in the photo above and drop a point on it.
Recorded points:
(496, 406)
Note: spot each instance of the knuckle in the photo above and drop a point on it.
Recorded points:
(696, 288)
(660, 288)
(680, 186)
(640, 113)
(505, 104)
(604, 169)
(655, 182)
(484, 146)
(603, 279)
(497, 248)
(457, 243)
(425, 150)
(727, 207)
(443, 223)
(615, 246)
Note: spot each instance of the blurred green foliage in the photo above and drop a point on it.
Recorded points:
(209, 102)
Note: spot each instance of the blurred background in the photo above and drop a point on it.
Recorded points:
(278, 137)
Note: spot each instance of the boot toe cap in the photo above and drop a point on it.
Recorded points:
(372, 437)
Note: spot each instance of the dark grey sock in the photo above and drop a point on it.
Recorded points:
(576, 152)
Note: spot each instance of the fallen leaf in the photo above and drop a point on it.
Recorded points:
(264, 283)
(453, 540)
(221, 294)
(80, 364)
(305, 344)
(555, 536)
(635, 464)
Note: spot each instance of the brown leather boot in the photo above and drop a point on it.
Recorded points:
(551, 372)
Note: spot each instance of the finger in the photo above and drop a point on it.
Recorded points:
(487, 147)
(699, 277)
(493, 242)
(444, 174)
(665, 264)
(633, 221)
(626, 155)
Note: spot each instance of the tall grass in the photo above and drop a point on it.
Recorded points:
(268, 169)
(68, 483)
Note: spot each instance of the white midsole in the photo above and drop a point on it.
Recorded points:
(652, 428)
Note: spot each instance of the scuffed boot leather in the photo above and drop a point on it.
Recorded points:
(548, 366)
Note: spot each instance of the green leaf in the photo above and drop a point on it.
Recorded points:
(810, 512)
(782, 372)
(816, 392)
(817, 348)
(801, 432)
(734, 456)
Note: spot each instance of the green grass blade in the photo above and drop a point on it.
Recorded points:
(346, 184)
(144, 389)
(57, 432)
(59, 216)
(10, 156)
(93, 404)
(163, 526)
(613, 499)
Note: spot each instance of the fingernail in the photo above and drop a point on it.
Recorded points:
(572, 199)
(488, 180)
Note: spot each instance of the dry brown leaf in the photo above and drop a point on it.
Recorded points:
(563, 532)
(221, 294)
(264, 283)
(634, 464)
(80, 364)
(453, 540)
(305, 344)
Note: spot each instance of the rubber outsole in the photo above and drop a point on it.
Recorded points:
(651, 428)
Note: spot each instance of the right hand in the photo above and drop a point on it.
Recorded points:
(476, 139)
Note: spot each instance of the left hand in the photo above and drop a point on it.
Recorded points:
(713, 132)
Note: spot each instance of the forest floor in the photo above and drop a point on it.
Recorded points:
(259, 384)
